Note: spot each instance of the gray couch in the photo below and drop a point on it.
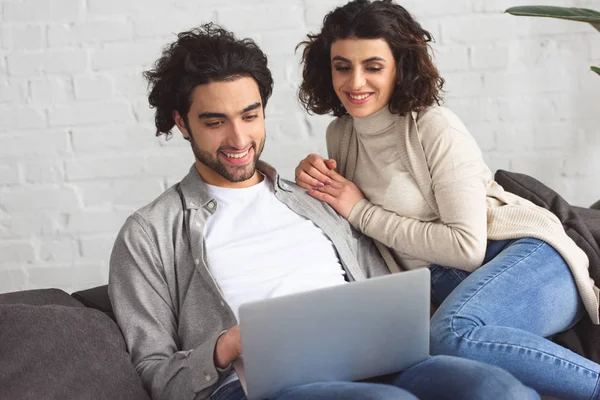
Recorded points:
(59, 346)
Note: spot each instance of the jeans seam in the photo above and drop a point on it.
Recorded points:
(596, 393)
(510, 344)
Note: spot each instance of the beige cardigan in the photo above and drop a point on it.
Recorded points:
(430, 143)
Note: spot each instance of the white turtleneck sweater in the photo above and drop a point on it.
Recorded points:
(430, 197)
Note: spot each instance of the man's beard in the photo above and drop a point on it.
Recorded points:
(231, 173)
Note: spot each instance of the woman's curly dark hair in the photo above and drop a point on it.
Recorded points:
(418, 82)
(200, 56)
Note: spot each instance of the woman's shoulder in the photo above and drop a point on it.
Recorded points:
(437, 118)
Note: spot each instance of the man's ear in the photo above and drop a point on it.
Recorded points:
(181, 125)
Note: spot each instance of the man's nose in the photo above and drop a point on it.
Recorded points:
(237, 137)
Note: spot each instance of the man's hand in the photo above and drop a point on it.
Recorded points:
(229, 347)
(314, 172)
(341, 194)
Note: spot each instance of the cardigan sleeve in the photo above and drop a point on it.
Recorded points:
(458, 238)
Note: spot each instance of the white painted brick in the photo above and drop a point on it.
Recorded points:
(476, 29)
(40, 171)
(111, 138)
(30, 222)
(463, 84)
(315, 11)
(90, 113)
(19, 37)
(12, 280)
(89, 32)
(66, 277)
(51, 90)
(475, 109)
(282, 43)
(526, 108)
(97, 247)
(450, 58)
(584, 161)
(12, 92)
(130, 7)
(544, 51)
(545, 168)
(490, 56)
(21, 118)
(538, 80)
(16, 252)
(34, 198)
(176, 163)
(93, 222)
(29, 143)
(131, 192)
(318, 125)
(97, 168)
(172, 23)
(421, 9)
(143, 113)
(9, 174)
(51, 62)
(516, 136)
(42, 10)
(93, 87)
(264, 17)
(283, 101)
(60, 249)
(485, 134)
(294, 124)
(120, 55)
(130, 85)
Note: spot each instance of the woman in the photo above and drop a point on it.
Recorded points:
(505, 274)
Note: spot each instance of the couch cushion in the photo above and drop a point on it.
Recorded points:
(96, 298)
(58, 352)
(40, 297)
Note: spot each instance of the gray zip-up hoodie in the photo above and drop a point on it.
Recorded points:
(170, 309)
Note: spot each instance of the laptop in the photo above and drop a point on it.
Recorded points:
(348, 332)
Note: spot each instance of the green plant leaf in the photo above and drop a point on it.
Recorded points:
(596, 70)
(569, 13)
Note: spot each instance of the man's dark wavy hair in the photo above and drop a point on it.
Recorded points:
(200, 56)
(418, 82)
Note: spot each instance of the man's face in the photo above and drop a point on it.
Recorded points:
(226, 128)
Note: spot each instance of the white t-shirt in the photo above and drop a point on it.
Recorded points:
(257, 248)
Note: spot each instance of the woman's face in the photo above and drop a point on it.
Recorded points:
(363, 72)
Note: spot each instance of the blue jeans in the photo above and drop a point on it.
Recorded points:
(440, 377)
(505, 311)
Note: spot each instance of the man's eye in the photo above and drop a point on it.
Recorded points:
(212, 124)
(250, 117)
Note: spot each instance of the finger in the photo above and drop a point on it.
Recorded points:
(330, 190)
(316, 174)
(331, 163)
(304, 180)
(337, 177)
(319, 163)
(327, 198)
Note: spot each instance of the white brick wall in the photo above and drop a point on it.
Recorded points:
(77, 145)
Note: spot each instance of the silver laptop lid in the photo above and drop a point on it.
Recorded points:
(342, 333)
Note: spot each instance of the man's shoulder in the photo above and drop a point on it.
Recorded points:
(160, 210)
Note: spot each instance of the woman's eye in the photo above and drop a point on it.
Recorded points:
(342, 69)
(374, 69)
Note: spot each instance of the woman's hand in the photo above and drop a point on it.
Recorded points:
(314, 172)
(341, 194)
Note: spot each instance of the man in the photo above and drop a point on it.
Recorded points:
(233, 231)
